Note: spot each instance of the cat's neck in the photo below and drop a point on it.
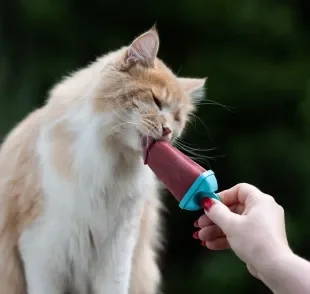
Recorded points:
(81, 144)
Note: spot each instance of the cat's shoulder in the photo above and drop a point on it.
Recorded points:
(23, 133)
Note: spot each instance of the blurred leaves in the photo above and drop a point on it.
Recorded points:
(255, 54)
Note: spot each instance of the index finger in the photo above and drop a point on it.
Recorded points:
(240, 193)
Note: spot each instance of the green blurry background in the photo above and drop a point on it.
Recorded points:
(256, 54)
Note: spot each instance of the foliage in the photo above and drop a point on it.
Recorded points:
(256, 56)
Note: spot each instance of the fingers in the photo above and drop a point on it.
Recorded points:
(212, 237)
(210, 233)
(220, 214)
(239, 194)
(217, 244)
(204, 220)
(237, 208)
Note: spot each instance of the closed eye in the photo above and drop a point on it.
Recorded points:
(157, 102)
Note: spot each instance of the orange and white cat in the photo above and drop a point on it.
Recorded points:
(79, 211)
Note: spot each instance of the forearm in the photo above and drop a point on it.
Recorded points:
(288, 274)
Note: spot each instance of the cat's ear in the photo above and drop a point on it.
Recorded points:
(144, 49)
(195, 88)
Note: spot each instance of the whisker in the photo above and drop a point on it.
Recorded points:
(124, 120)
(119, 116)
(192, 152)
(147, 144)
(186, 145)
(110, 131)
(190, 122)
(194, 115)
(211, 102)
(179, 70)
(150, 126)
(195, 156)
(121, 107)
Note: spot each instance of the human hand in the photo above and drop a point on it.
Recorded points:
(249, 222)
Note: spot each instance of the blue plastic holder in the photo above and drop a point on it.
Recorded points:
(204, 186)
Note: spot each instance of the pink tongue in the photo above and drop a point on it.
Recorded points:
(147, 142)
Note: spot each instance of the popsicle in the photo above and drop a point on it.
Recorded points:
(186, 180)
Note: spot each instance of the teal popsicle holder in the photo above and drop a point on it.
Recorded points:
(204, 186)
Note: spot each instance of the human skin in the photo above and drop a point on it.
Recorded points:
(252, 224)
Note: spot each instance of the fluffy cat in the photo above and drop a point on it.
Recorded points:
(79, 211)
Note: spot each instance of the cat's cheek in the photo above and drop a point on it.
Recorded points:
(176, 133)
(179, 126)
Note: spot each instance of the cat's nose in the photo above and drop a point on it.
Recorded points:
(166, 131)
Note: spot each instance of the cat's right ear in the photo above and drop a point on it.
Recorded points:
(143, 50)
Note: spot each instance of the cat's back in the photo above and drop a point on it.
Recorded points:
(19, 139)
(19, 175)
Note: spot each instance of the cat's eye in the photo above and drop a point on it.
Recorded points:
(157, 102)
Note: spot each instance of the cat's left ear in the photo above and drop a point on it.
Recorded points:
(195, 88)
(144, 49)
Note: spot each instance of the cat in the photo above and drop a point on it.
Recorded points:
(79, 211)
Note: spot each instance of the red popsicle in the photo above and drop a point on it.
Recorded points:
(187, 181)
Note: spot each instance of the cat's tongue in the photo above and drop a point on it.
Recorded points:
(147, 142)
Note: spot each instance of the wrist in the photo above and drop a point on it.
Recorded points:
(271, 256)
(273, 263)
(286, 273)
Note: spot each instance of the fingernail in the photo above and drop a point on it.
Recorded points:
(196, 224)
(195, 235)
(207, 203)
(203, 243)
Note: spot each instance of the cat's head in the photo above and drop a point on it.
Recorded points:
(147, 98)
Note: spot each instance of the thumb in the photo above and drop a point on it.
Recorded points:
(219, 214)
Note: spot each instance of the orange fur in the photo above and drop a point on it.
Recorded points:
(119, 83)
(20, 201)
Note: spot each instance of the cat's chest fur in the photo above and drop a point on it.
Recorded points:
(83, 214)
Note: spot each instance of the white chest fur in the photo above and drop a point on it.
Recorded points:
(84, 240)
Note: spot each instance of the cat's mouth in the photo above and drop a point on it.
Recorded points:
(146, 142)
